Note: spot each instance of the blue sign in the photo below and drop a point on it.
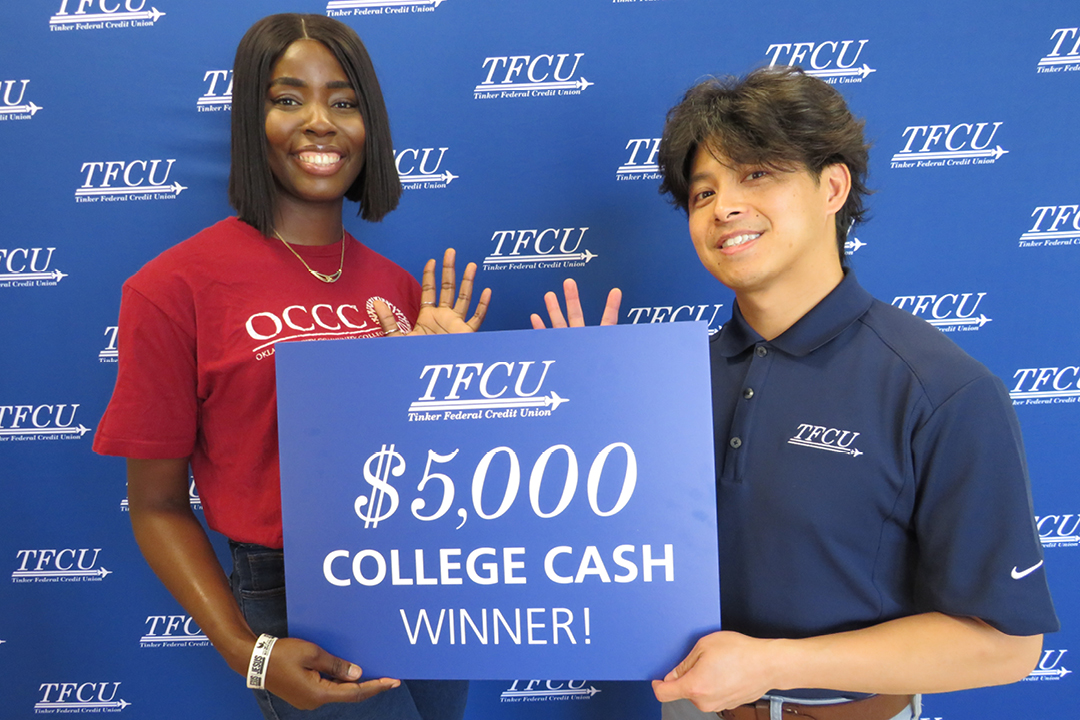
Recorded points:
(501, 505)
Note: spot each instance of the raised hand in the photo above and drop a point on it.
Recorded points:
(574, 316)
(449, 313)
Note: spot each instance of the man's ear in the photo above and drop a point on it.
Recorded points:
(836, 180)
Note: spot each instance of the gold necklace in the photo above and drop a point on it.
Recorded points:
(321, 276)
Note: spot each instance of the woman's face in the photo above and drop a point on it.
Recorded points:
(314, 131)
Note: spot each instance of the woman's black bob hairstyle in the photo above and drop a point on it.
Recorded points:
(252, 191)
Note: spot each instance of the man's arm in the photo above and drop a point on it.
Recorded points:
(926, 653)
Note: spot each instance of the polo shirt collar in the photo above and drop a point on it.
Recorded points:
(835, 313)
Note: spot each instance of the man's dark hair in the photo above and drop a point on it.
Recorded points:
(775, 117)
(252, 190)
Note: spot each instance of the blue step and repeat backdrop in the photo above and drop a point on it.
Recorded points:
(525, 133)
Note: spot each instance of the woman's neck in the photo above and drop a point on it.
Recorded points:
(309, 225)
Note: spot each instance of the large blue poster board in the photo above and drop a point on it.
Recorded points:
(501, 505)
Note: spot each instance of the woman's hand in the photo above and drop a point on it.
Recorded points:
(307, 677)
(573, 308)
(448, 315)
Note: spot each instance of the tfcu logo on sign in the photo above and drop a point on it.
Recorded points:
(1055, 225)
(172, 631)
(471, 391)
(1046, 386)
(344, 8)
(512, 76)
(641, 165)
(1065, 54)
(949, 312)
(63, 565)
(218, 94)
(102, 14)
(40, 422)
(13, 102)
(421, 168)
(74, 697)
(28, 267)
(546, 690)
(949, 145)
(1059, 530)
(834, 61)
(675, 313)
(535, 248)
(1050, 666)
(120, 181)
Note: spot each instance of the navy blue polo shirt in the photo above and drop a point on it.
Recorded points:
(868, 469)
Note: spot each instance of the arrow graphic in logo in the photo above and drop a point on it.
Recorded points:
(994, 153)
(51, 275)
(552, 401)
(13, 109)
(497, 259)
(174, 188)
(980, 321)
(152, 14)
(846, 72)
(446, 177)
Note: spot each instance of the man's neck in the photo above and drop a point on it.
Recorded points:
(771, 311)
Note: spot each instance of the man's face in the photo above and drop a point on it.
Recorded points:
(758, 229)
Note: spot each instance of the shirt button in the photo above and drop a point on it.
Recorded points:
(762, 351)
(735, 443)
(748, 393)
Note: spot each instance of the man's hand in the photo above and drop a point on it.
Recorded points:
(448, 315)
(296, 671)
(573, 308)
(723, 671)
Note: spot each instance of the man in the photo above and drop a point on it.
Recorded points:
(875, 520)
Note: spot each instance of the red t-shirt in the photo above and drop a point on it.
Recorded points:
(196, 368)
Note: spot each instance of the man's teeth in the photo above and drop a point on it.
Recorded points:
(740, 239)
(320, 158)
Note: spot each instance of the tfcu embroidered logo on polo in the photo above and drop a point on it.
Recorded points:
(172, 631)
(298, 322)
(641, 164)
(103, 14)
(79, 697)
(1055, 226)
(217, 95)
(1059, 530)
(471, 391)
(124, 180)
(28, 267)
(1050, 666)
(421, 168)
(1064, 55)
(677, 313)
(40, 422)
(58, 565)
(14, 104)
(547, 690)
(109, 354)
(820, 437)
(544, 75)
(345, 8)
(948, 312)
(1046, 386)
(949, 145)
(538, 248)
(834, 61)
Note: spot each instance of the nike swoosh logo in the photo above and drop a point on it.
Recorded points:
(1018, 574)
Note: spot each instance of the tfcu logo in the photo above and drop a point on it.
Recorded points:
(1046, 386)
(345, 8)
(1064, 56)
(1055, 225)
(421, 168)
(40, 422)
(63, 565)
(123, 180)
(75, 697)
(13, 102)
(110, 354)
(834, 61)
(513, 76)
(1059, 530)
(676, 313)
(949, 312)
(641, 165)
(949, 145)
(545, 690)
(218, 91)
(471, 391)
(28, 267)
(1050, 666)
(172, 631)
(538, 248)
(820, 437)
(102, 14)
(193, 497)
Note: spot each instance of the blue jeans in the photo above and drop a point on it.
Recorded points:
(258, 584)
(685, 710)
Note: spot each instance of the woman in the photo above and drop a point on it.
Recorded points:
(196, 377)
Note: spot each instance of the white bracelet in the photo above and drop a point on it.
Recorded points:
(260, 659)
